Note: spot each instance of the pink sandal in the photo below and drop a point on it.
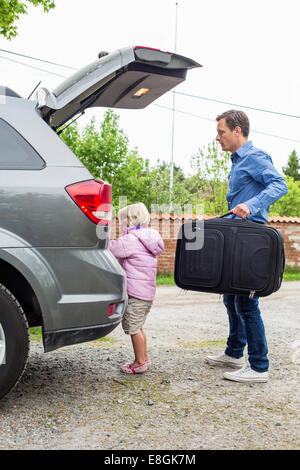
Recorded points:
(129, 369)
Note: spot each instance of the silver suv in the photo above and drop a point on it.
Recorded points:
(56, 271)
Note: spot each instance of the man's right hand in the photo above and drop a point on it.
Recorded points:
(241, 210)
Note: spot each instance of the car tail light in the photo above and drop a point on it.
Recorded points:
(111, 309)
(94, 198)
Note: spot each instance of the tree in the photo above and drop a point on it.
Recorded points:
(288, 205)
(212, 167)
(293, 166)
(106, 154)
(10, 11)
(160, 174)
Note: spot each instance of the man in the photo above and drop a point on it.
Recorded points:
(254, 184)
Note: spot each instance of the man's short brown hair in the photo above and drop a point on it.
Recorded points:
(235, 118)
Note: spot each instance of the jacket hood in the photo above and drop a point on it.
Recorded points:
(150, 238)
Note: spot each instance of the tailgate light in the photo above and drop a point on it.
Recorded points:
(151, 49)
(153, 56)
(94, 198)
(141, 92)
(111, 309)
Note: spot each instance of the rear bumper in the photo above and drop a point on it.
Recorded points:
(57, 339)
(67, 336)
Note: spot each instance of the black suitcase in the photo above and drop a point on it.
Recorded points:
(239, 257)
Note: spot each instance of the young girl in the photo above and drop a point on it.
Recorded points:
(136, 251)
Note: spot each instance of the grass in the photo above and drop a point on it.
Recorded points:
(36, 335)
(163, 279)
(105, 342)
(291, 274)
(204, 344)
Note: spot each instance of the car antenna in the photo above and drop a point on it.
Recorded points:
(62, 130)
(34, 89)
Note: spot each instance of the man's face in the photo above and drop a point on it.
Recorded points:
(227, 139)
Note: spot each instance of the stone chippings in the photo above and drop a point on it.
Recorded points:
(77, 398)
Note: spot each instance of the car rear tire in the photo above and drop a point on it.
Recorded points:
(14, 341)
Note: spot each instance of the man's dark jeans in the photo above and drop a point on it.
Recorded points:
(246, 327)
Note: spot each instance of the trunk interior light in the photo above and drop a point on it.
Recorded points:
(141, 92)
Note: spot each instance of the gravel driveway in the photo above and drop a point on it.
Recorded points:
(76, 397)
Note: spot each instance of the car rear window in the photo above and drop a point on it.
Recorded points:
(15, 151)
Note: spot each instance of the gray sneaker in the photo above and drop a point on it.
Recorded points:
(246, 374)
(223, 359)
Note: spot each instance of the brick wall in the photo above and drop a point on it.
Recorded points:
(291, 233)
(168, 227)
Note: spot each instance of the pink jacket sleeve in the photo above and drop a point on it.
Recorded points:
(118, 249)
(160, 248)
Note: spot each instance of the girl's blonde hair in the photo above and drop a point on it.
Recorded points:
(133, 215)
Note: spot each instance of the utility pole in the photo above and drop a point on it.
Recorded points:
(173, 122)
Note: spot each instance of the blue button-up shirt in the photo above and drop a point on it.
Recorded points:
(254, 181)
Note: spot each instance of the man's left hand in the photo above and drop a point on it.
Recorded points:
(241, 210)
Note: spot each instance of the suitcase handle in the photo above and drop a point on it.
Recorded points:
(224, 215)
(228, 213)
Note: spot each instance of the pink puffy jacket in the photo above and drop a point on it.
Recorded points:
(136, 251)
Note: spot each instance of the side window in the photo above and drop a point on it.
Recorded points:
(15, 152)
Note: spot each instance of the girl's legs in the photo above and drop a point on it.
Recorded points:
(145, 345)
(134, 318)
(139, 344)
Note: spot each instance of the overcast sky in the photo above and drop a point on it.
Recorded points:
(249, 52)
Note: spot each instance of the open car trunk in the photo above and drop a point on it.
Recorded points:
(131, 78)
